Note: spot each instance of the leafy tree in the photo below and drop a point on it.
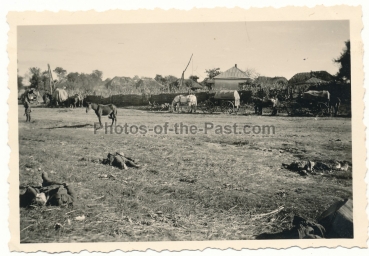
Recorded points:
(344, 60)
(212, 72)
(194, 78)
(60, 72)
(35, 79)
(97, 75)
(20, 82)
(170, 79)
(251, 73)
(72, 77)
(160, 79)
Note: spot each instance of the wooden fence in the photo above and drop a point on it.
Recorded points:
(124, 100)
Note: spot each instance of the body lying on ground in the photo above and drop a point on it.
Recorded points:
(120, 161)
(50, 193)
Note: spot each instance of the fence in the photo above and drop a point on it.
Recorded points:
(124, 100)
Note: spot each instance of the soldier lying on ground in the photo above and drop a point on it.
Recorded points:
(120, 161)
(50, 193)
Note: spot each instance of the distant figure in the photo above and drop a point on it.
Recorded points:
(28, 96)
(27, 113)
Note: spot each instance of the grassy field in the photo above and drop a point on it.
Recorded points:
(192, 187)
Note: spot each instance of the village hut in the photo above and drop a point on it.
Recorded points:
(301, 82)
(231, 79)
(304, 76)
(194, 86)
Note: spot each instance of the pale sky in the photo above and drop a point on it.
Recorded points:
(271, 48)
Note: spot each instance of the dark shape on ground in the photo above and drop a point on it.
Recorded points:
(120, 161)
(50, 193)
(335, 222)
(69, 126)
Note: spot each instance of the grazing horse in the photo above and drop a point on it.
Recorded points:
(179, 101)
(103, 110)
(334, 104)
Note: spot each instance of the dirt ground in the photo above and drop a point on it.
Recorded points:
(192, 187)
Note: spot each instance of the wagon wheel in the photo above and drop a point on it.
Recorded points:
(207, 107)
(322, 109)
(227, 107)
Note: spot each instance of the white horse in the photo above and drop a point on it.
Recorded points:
(192, 103)
(181, 100)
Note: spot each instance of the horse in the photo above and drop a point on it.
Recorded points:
(334, 104)
(73, 101)
(80, 100)
(109, 110)
(260, 103)
(178, 101)
(192, 102)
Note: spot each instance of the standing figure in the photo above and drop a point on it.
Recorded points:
(27, 105)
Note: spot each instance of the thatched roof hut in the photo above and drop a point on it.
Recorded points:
(268, 82)
(120, 82)
(303, 81)
(304, 76)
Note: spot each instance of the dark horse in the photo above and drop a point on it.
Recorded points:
(109, 110)
(260, 103)
(334, 104)
(73, 101)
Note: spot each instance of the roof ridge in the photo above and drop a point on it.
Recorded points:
(232, 73)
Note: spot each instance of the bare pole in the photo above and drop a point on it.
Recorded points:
(51, 80)
(182, 78)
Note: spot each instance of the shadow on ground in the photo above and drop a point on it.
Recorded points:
(69, 126)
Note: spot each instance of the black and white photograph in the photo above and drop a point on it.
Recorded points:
(185, 131)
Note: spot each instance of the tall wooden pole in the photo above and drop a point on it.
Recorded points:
(51, 80)
(182, 78)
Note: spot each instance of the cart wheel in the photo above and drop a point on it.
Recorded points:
(227, 107)
(207, 107)
(322, 110)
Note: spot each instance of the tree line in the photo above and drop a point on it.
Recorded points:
(89, 83)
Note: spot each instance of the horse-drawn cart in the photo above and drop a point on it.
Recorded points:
(226, 101)
(311, 102)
